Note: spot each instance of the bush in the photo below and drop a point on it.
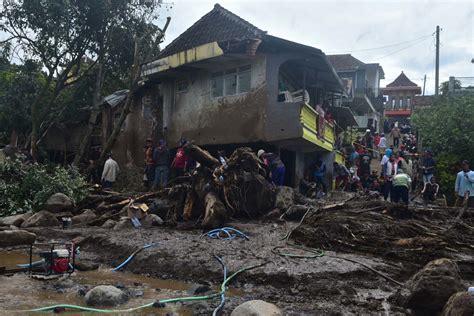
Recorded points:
(27, 187)
(446, 128)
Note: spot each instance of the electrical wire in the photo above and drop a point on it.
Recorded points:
(382, 47)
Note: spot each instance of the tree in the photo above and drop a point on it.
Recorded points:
(446, 128)
(57, 34)
(444, 86)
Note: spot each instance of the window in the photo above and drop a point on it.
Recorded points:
(393, 103)
(400, 103)
(231, 82)
(408, 103)
(182, 86)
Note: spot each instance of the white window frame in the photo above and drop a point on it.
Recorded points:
(222, 76)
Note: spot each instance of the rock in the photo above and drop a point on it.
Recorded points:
(198, 289)
(151, 220)
(123, 224)
(15, 220)
(256, 308)
(41, 219)
(109, 224)
(459, 304)
(58, 202)
(9, 238)
(284, 198)
(430, 288)
(84, 217)
(86, 265)
(105, 295)
(159, 207)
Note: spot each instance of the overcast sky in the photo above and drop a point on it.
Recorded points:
(336, 26)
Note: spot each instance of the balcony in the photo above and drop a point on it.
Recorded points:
(316, 129)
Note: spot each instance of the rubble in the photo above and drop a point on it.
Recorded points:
(415, 234)
(256, 308)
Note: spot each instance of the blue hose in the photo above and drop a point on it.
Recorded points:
(33, 264)
(230, 233)
(123, 264)
(221, 305)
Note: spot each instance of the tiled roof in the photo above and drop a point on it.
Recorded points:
(402, 81)
(217, 25)
(345, 62)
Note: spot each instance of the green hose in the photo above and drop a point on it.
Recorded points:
(171, 300)
(314, 253)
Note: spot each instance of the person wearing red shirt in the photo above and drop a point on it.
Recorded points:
(149, 162)
(180, 160)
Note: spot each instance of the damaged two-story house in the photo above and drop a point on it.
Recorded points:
(225, 83)
(362, 83)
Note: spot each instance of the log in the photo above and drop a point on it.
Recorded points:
(108, 207)
(201, 156)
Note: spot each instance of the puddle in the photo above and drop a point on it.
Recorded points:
(20, 292)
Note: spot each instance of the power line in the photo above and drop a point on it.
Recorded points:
(382, 47)
(401, 49)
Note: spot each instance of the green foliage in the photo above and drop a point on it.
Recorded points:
(446, 128)
(27, 187)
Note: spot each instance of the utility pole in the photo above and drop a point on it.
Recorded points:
(424, 85)
(437, 62)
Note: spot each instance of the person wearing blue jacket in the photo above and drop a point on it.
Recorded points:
(464, 187)
(320, 175)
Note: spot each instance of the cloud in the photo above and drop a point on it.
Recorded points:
(347, 26)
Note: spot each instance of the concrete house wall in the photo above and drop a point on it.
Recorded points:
(196, 115)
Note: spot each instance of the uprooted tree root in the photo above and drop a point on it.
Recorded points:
(391, 231)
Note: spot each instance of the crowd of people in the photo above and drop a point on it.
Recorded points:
(402, 170)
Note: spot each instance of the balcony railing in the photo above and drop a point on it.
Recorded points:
(316, 129)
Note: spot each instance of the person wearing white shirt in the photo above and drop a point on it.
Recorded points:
(109, 175)
(464, 187)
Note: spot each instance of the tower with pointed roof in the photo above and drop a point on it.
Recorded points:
(400, 96)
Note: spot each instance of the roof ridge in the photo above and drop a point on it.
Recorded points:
(234, 17)
(223, 12)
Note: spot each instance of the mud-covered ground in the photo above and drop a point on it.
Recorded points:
(324, 285)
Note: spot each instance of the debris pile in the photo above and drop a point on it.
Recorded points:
(387, 230)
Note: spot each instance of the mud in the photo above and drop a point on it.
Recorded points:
(324, 285)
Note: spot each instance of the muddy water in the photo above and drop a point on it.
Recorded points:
(20, 292)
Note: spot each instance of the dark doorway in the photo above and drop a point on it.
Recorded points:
(289, 159)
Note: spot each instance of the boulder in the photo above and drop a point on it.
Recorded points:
(105, 295)
(86, 265)
(9, 238)
(15, 220)
(109, 224)
(256, 308)
(58, 202)
(123, 224)
(151, 220)
(284, 198)
(459, 304)
(41, 219)
(84, 217)
(429, 289)
(199, 289)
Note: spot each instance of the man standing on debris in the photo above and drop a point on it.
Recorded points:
(464, 187)
(180, 160)
(109, 175)
(149, 163)
(428, 166)
(342, 176)
(400, 186)
(277, 168)
(161, 156)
